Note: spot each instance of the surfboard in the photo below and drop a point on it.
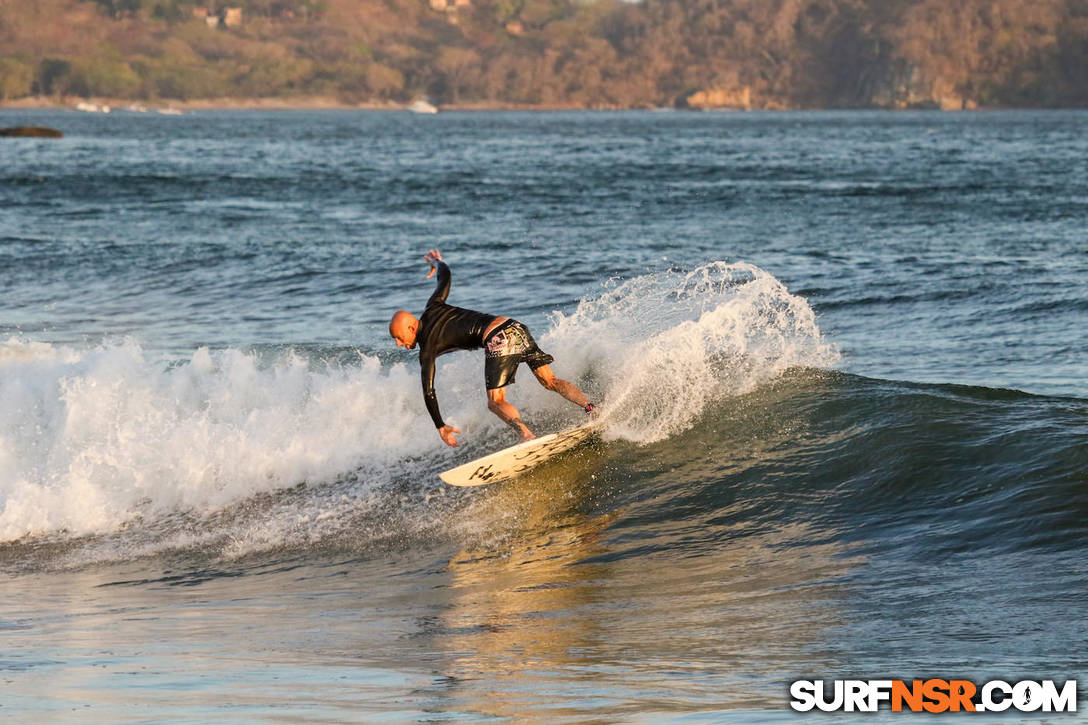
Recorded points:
(513, 461)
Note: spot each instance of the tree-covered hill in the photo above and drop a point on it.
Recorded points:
(582, 53)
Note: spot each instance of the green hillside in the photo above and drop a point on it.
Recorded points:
(558, 53)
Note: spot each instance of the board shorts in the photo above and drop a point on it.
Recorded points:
(507, 346)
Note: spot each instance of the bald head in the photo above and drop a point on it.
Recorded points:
(403, 328)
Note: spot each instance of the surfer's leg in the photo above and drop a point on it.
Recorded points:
(496, 403)
(565, 388)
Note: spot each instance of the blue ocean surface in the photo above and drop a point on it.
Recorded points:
(842, 359)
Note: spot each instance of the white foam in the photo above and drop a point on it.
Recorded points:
(90, 439)
(666, 347)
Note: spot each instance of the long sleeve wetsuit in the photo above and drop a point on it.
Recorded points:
(444, 328)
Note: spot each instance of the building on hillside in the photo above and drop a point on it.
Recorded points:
(449, 5)
(232, 17)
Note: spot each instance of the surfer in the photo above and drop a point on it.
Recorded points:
(508, 343)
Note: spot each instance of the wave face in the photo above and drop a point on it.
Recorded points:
(721, 421)
(113, 440)
(919, 472)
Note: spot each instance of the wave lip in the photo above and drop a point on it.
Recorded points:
(669, 346)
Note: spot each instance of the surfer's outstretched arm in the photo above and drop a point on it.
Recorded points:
(432, 256)
(426, 369)
(442, 289)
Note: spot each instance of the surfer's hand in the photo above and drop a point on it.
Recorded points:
(433, 256)
(447, 432)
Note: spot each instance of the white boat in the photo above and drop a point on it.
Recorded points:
(422, 106)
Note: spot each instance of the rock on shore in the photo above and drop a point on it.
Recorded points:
(31, 132)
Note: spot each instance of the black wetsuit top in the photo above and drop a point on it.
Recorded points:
(445, 328)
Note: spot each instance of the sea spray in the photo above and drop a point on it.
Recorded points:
(666, 347)
(92, 438)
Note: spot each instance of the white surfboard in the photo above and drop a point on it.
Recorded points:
(516, 460)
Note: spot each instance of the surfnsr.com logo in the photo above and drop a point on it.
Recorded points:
(933, 695)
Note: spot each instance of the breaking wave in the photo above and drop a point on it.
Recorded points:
(149, 453)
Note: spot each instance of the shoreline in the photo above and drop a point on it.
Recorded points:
(312, 103)
(296, 103)
(329, 103)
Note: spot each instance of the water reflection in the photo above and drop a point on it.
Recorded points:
(564, 614)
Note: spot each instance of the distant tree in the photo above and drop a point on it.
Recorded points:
(16, 78)
(456, 66)
(1072, 58)
(270, 71)
(118, 9)
(97, 76)
(52, 76)
(978, 48)
(172, 11)
(383, 81)
(772, 53)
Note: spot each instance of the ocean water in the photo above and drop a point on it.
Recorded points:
(842, 358)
